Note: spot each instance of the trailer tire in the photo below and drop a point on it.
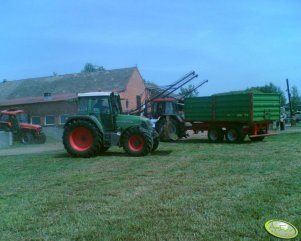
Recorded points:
(82, 138)
(137, 141)
(233, 135)
(215, 135)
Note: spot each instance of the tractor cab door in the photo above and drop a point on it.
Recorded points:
(102, 108)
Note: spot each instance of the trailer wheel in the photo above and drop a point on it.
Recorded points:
(82, 139)
(137, 141)
(215, 135)
(232, 135)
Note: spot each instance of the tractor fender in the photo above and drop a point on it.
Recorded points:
(89, 118)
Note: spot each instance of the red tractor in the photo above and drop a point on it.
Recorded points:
(18, 122)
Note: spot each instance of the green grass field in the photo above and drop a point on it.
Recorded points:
(189, 190)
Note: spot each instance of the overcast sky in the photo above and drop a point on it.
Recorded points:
(234, 44)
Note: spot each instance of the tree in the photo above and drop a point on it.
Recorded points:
(270, 88)
(88, 68)
(189, 91)
(295, 98)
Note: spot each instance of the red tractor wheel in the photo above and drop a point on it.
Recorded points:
(82, 139)
(137, 142)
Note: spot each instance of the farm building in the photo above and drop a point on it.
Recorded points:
(50, 100)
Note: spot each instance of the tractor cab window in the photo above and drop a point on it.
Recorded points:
(83, 105)
(169, 108)
(23, 118)
(101, 105)
(4, 118)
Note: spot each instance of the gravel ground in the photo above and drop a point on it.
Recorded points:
(30, 149)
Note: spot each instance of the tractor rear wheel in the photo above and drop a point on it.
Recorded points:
(137, 141)
(82, 138)
(215, 135)
(168, 129)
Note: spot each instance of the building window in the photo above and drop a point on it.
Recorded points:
(127, 104)
(138, 101)
(49, 120)
(63, 118)
(36, 120)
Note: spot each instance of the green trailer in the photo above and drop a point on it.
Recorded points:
(233, 116)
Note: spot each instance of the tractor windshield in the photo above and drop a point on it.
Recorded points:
(100, 105)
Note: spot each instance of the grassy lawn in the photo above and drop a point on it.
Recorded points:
(190, 190)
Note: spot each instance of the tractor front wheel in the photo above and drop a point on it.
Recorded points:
(82, 138)
(137, 141)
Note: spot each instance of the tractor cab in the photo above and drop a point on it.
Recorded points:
(105, 106)
(165, 106)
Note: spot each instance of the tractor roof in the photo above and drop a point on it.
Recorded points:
(91, 94)
(12, 112)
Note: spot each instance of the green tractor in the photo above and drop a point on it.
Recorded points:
(99, 125)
